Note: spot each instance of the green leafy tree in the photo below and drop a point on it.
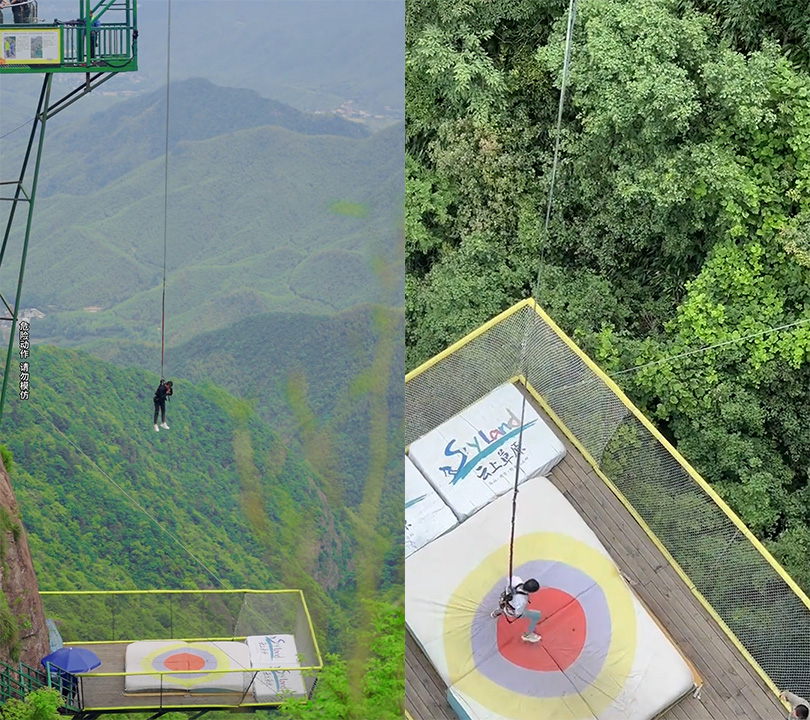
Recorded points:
(671, 143)
(747, 25)
(41, 704)
(331, 696)
(734, 394)
(383, 688)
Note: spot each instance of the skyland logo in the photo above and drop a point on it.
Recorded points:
(482, 444)
(278, 680)
(275, 646)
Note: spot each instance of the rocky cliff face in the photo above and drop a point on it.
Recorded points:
(24, 634)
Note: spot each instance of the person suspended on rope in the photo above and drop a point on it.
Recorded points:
(514, 604)
(164, 390)
(16, 10)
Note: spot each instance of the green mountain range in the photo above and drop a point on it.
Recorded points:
(87, 154)
(260, 219)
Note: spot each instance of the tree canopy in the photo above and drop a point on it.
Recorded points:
(677, 252)
(39, 705)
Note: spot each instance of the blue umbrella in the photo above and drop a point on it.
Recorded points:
(72, 659)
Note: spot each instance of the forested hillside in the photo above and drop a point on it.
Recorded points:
(89, 472)
(224, 500)
(307, 377)
(678, 253)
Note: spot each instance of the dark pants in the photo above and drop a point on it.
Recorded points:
(24, 12)
(160, 404)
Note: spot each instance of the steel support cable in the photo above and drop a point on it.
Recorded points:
(166, 187)
(572, 11)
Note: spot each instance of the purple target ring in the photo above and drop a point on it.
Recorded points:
(543, 684)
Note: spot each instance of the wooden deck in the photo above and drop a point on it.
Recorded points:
(108, 692)
(732, 689)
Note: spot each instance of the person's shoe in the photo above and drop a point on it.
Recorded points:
(157, 429)
(164, 426)
(531, 637)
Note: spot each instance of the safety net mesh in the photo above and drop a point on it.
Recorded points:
(731, 572)
(97, 619)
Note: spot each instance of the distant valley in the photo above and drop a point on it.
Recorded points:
(261, 218)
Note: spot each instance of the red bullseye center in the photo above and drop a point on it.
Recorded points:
(563, 628)
(184, 661)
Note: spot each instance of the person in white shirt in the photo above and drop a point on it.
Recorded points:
(514, 604)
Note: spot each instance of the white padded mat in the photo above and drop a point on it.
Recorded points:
(427, 516)
(275, 651)
(168, 657)
(601, 656)
(470, 459)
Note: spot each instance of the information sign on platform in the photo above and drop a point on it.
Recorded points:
(30, 46)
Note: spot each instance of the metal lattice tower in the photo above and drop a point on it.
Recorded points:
(100, 43)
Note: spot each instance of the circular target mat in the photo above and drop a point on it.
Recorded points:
(183, 656)
(588, 629)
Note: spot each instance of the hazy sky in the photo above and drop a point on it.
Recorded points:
(313, 54)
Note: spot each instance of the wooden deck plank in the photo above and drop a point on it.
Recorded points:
(663, 592)
(425, 698)
(732, 688)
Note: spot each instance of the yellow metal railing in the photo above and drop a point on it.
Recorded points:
(117, 617)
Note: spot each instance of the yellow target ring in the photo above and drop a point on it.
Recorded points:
(591, 700)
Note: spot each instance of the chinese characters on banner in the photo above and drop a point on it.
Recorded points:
(24, 353)
(505, 458)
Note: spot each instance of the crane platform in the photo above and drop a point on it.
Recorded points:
(103, 38)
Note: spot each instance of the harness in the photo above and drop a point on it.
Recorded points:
(505, 602)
